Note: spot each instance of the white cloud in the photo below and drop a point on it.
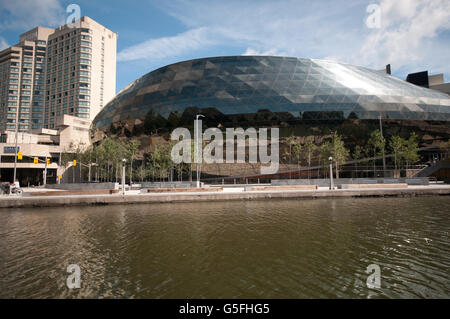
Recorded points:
(408, 30)
(296, 28)
(167, 46)
(27, 14)
(410, 37)
(277, 28)
(272, 52)
(3, 44)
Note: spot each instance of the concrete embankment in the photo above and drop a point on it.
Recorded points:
(117, 199)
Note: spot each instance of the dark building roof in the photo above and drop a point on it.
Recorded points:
(418, 78)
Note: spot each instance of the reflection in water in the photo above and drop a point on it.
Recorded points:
(251, 249)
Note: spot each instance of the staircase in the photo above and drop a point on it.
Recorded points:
(429, 170)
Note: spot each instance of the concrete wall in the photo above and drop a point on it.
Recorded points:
(326, 182)
(55, 201)
(84, 186)
(444, 88)
(169, 184)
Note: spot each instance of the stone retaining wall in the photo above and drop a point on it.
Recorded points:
(321, 182)
(83, 186)
(22, 202)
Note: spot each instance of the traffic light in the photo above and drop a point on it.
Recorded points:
(74, 162)
(20, 156)
(36, 160)
(48, 161)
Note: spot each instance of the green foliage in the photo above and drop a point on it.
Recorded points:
(309, 149)
(411, 155)
(376, 143)
(290, 142)
(325, 152)
(358, 153)
(397, 146)
(107, 156)
(173, 120)
(297, 152)
(159, 161)
(142, 172)
(336, 149)
(404, 151)
(75, 151)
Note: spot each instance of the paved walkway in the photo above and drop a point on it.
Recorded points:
(135, 197)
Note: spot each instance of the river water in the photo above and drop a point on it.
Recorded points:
(238, 249)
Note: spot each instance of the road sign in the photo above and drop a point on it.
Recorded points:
(10, 149)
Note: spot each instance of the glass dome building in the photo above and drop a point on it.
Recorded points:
(291, 90)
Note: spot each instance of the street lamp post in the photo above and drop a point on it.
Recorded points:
(331, 173)
(15, 145)
(123, 176)
(384, 157)
(15, 151)
(197, 130)
(45, 173)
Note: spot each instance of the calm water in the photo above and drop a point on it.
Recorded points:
(260, 249)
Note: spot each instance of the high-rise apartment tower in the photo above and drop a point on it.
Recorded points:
(51, 72)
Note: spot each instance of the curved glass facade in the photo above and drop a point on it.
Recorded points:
(301, 88)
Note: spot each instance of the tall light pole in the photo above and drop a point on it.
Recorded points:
(15, 149)
(123, 176)
(197, 129)
(331, 173)
(45, 173)
(384, 157)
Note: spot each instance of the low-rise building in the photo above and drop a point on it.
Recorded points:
(42, 144)
(437, 83)
(434, 82)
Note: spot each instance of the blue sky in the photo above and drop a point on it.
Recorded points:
(413, 35)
